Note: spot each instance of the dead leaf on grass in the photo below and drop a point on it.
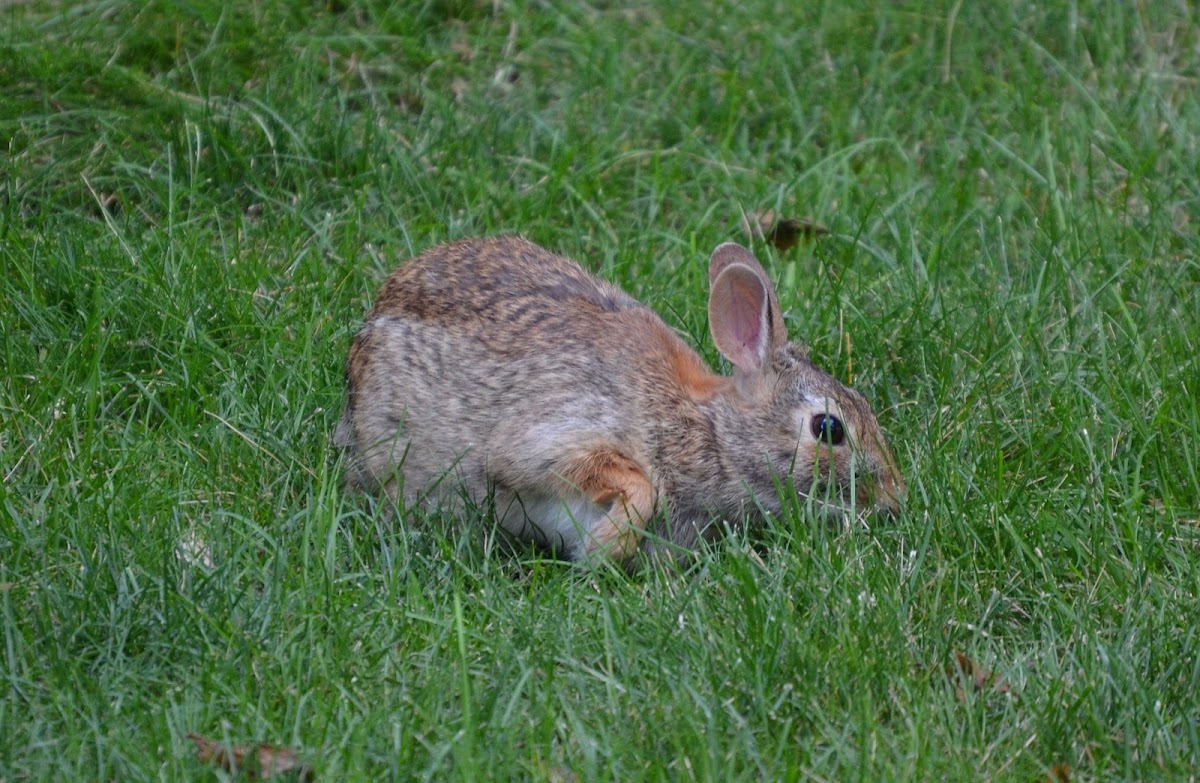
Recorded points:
(783, 233)
(505, 79)
(560, 775)
(966, 671)
(1059, 773)
(257, 762)
(462, 47)
(195, 551)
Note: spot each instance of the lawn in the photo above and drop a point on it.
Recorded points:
(198, 202)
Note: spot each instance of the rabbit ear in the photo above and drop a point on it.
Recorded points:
(739, 318)
(743, 312)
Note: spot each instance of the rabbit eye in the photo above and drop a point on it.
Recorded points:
(828, 428)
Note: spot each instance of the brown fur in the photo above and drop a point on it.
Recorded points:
(616, 483)
(495, 366)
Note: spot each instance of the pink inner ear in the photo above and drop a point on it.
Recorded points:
(737, 317)
(745, 304)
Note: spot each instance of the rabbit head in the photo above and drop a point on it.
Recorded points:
(816, 433)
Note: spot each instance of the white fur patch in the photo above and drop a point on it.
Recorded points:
(562, 523)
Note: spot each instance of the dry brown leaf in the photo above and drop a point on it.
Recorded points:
(462, 47)
(258, 762)
(561, 775)
(408, 101)
(505, 79)
(783, 233)
(1060, 773)
(789, 231)
(964, 671)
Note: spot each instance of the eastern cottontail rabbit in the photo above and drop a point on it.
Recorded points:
(496, 370)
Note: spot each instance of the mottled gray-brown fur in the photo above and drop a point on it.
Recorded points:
(491, 367)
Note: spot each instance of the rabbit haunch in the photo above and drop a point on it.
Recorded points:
(496, 371)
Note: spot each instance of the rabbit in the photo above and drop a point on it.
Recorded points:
(495, 372)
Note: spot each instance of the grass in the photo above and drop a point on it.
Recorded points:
(198, 202)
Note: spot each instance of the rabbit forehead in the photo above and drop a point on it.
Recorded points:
(800, 380)
(819, 403)
(808, 390)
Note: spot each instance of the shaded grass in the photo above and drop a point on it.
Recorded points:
(197, 204)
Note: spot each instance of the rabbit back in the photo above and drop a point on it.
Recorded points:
(496, 371)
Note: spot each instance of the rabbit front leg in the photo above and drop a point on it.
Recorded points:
(584, 502)
(621, 490)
